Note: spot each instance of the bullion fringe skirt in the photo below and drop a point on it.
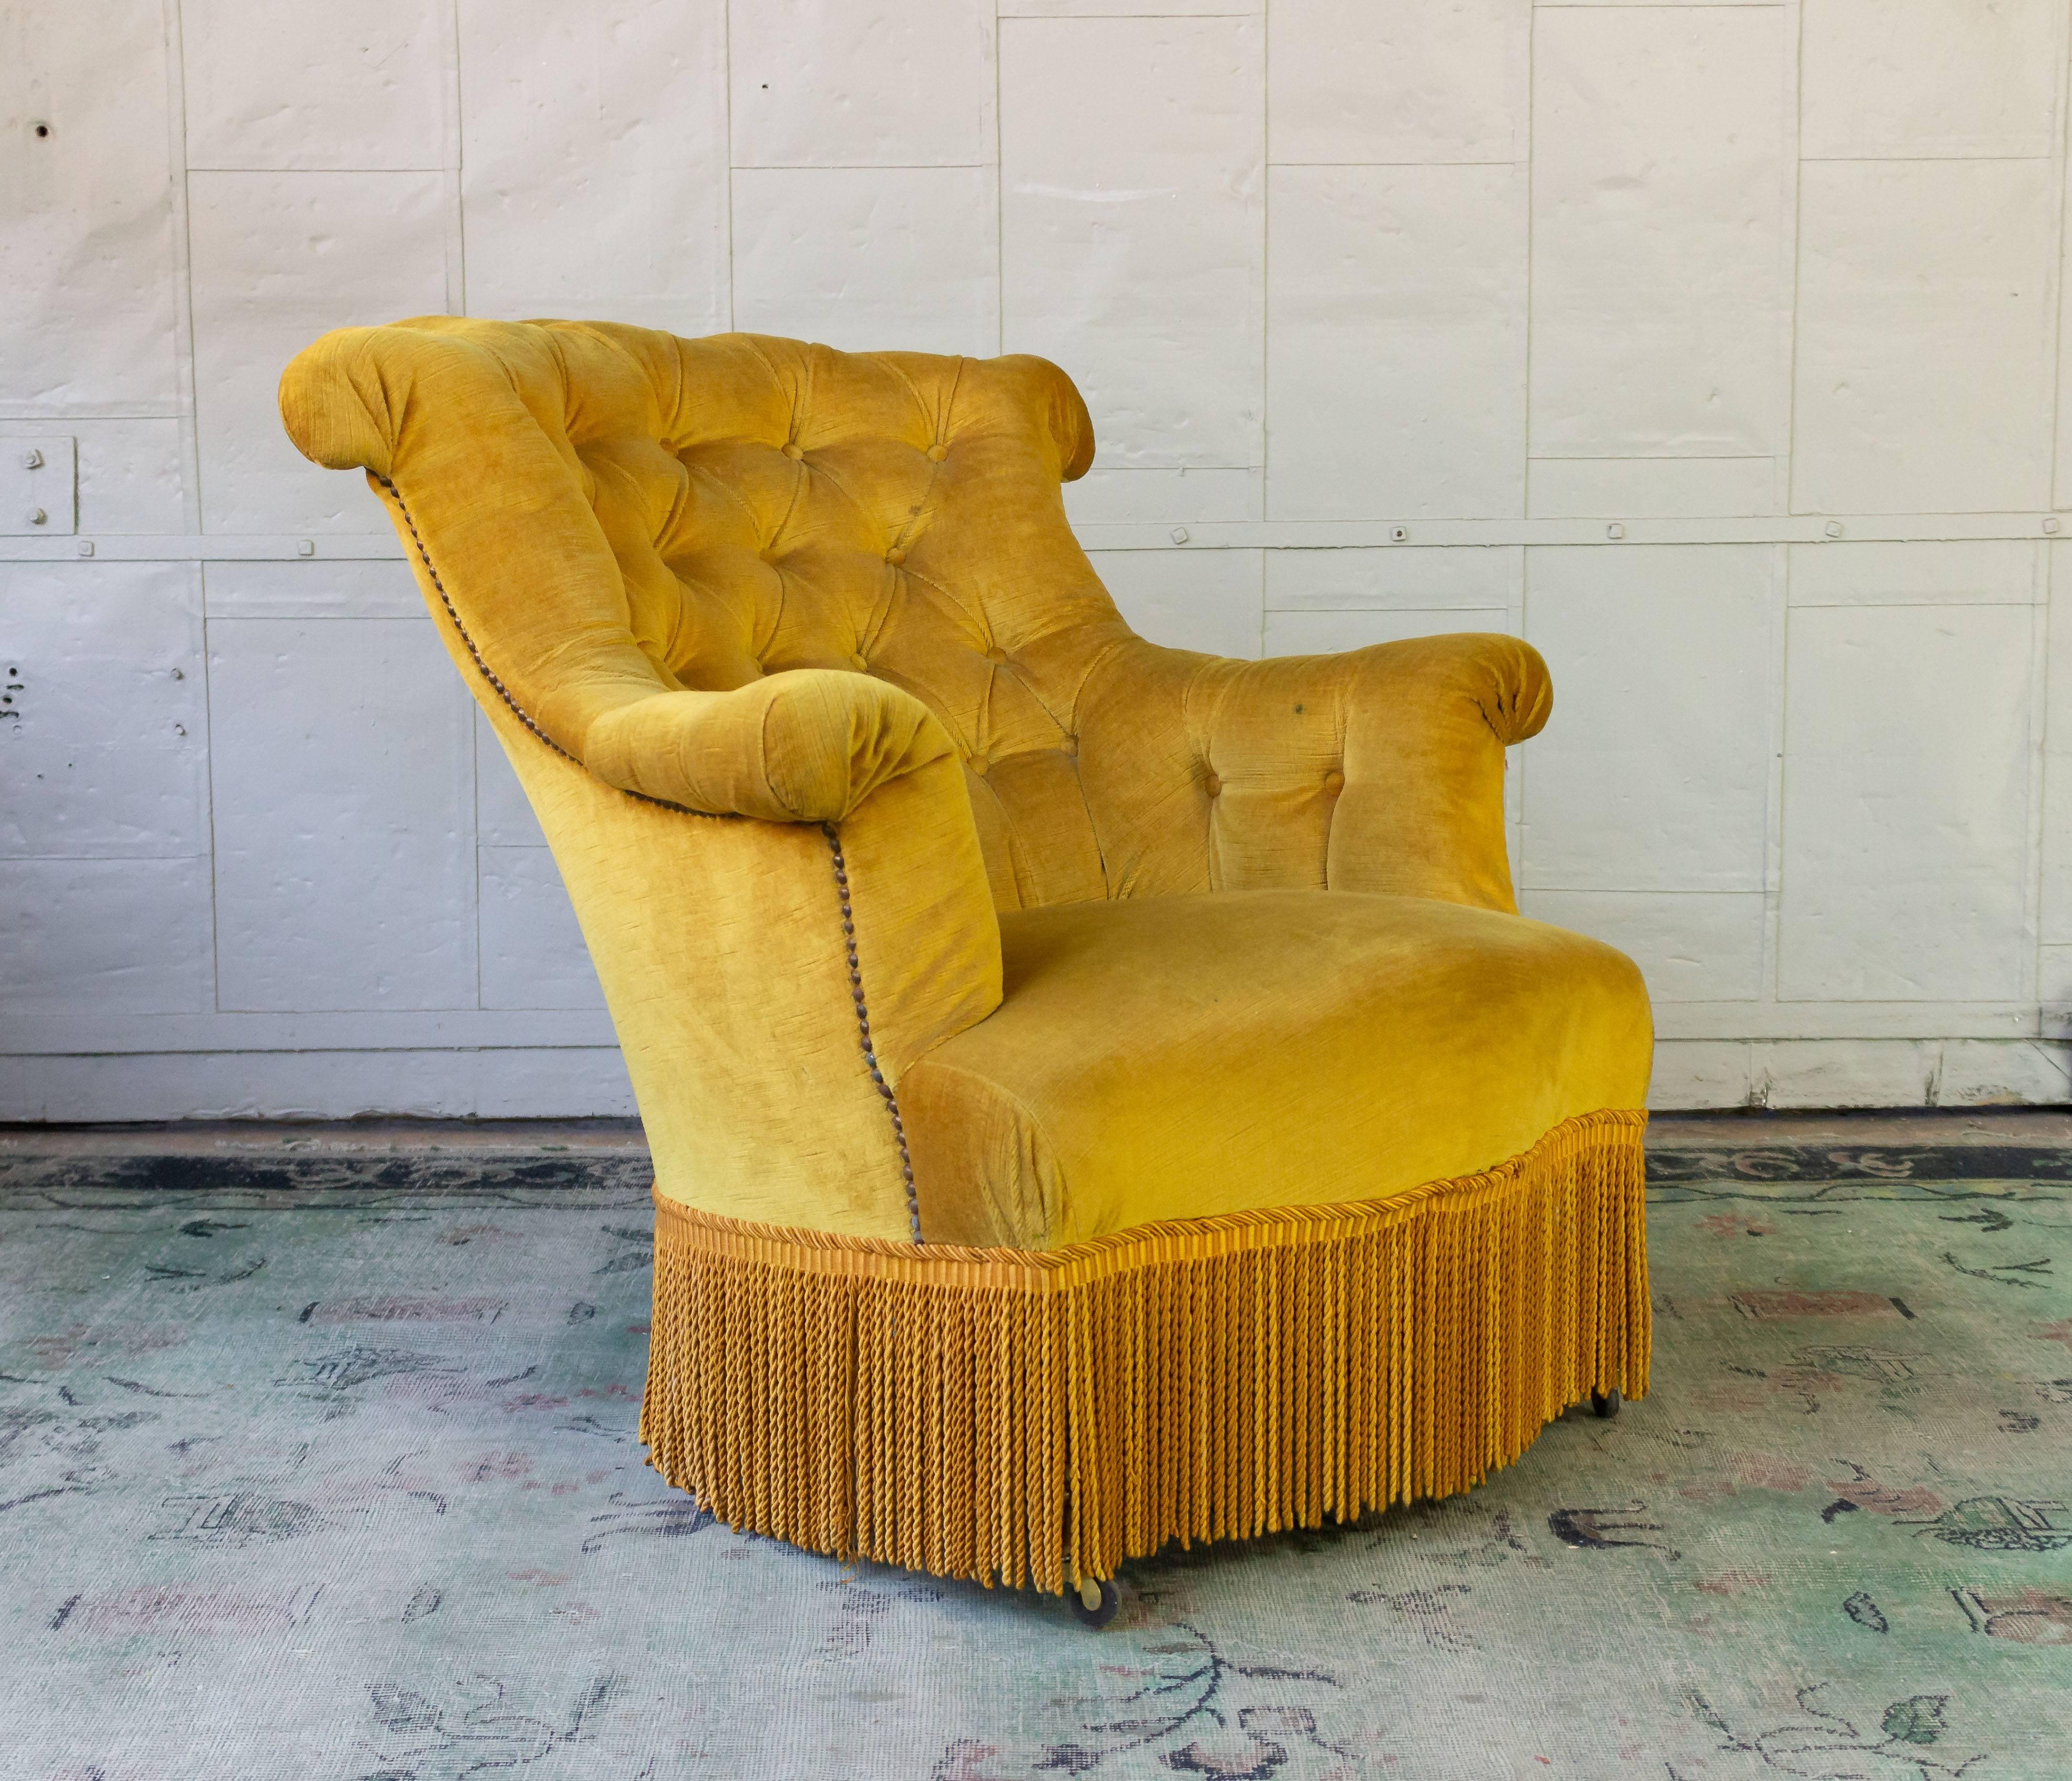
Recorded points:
(1034, 1418)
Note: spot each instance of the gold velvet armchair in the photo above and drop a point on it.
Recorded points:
(1099, 1095)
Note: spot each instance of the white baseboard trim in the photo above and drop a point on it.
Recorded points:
(1693, 1076)
(579, 1082)
(532, 1083)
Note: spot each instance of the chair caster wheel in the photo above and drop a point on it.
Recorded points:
(1606, 1404)
(1094, 1603)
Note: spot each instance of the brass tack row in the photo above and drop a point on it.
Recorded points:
(863, 1028)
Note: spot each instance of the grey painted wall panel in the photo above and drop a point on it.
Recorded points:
(1716, 349)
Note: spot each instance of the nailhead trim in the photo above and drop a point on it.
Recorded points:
(488, 674)
(827, 828)
(863, 1028)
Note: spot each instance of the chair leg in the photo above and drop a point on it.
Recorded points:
(1606, 1404)
(1094, 1601)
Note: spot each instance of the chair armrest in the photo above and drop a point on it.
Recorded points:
(743, 974)
(1416, 789)
(1380, 769)
(807, 745)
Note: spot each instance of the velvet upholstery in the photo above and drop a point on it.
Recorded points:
(1260, 942)
(1200, 1055)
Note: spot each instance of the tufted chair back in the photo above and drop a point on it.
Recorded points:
(639, 515)
(774, 505)
(769, 505)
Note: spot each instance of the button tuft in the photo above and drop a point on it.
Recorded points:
(1212, 785)
(858, 662)
(1334, 781)
(793, 450)
(895, 556)
(995, 654)
(938, 453)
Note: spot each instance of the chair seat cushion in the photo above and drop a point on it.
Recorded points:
(1181, 1057)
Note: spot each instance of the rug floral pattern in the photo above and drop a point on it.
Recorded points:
(326, 1469)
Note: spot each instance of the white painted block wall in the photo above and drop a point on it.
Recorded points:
(1714, 348)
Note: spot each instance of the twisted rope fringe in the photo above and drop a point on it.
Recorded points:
(1033, 1417)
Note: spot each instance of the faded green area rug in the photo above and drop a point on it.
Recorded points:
(326, 1469)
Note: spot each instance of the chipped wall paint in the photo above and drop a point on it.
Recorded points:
(1714, 349)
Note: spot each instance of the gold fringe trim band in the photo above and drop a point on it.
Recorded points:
(1035, 1417)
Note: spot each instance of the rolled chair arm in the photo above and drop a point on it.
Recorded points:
(1380, 769)
(1503, 680)
(1417, 791)
(807, 745)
